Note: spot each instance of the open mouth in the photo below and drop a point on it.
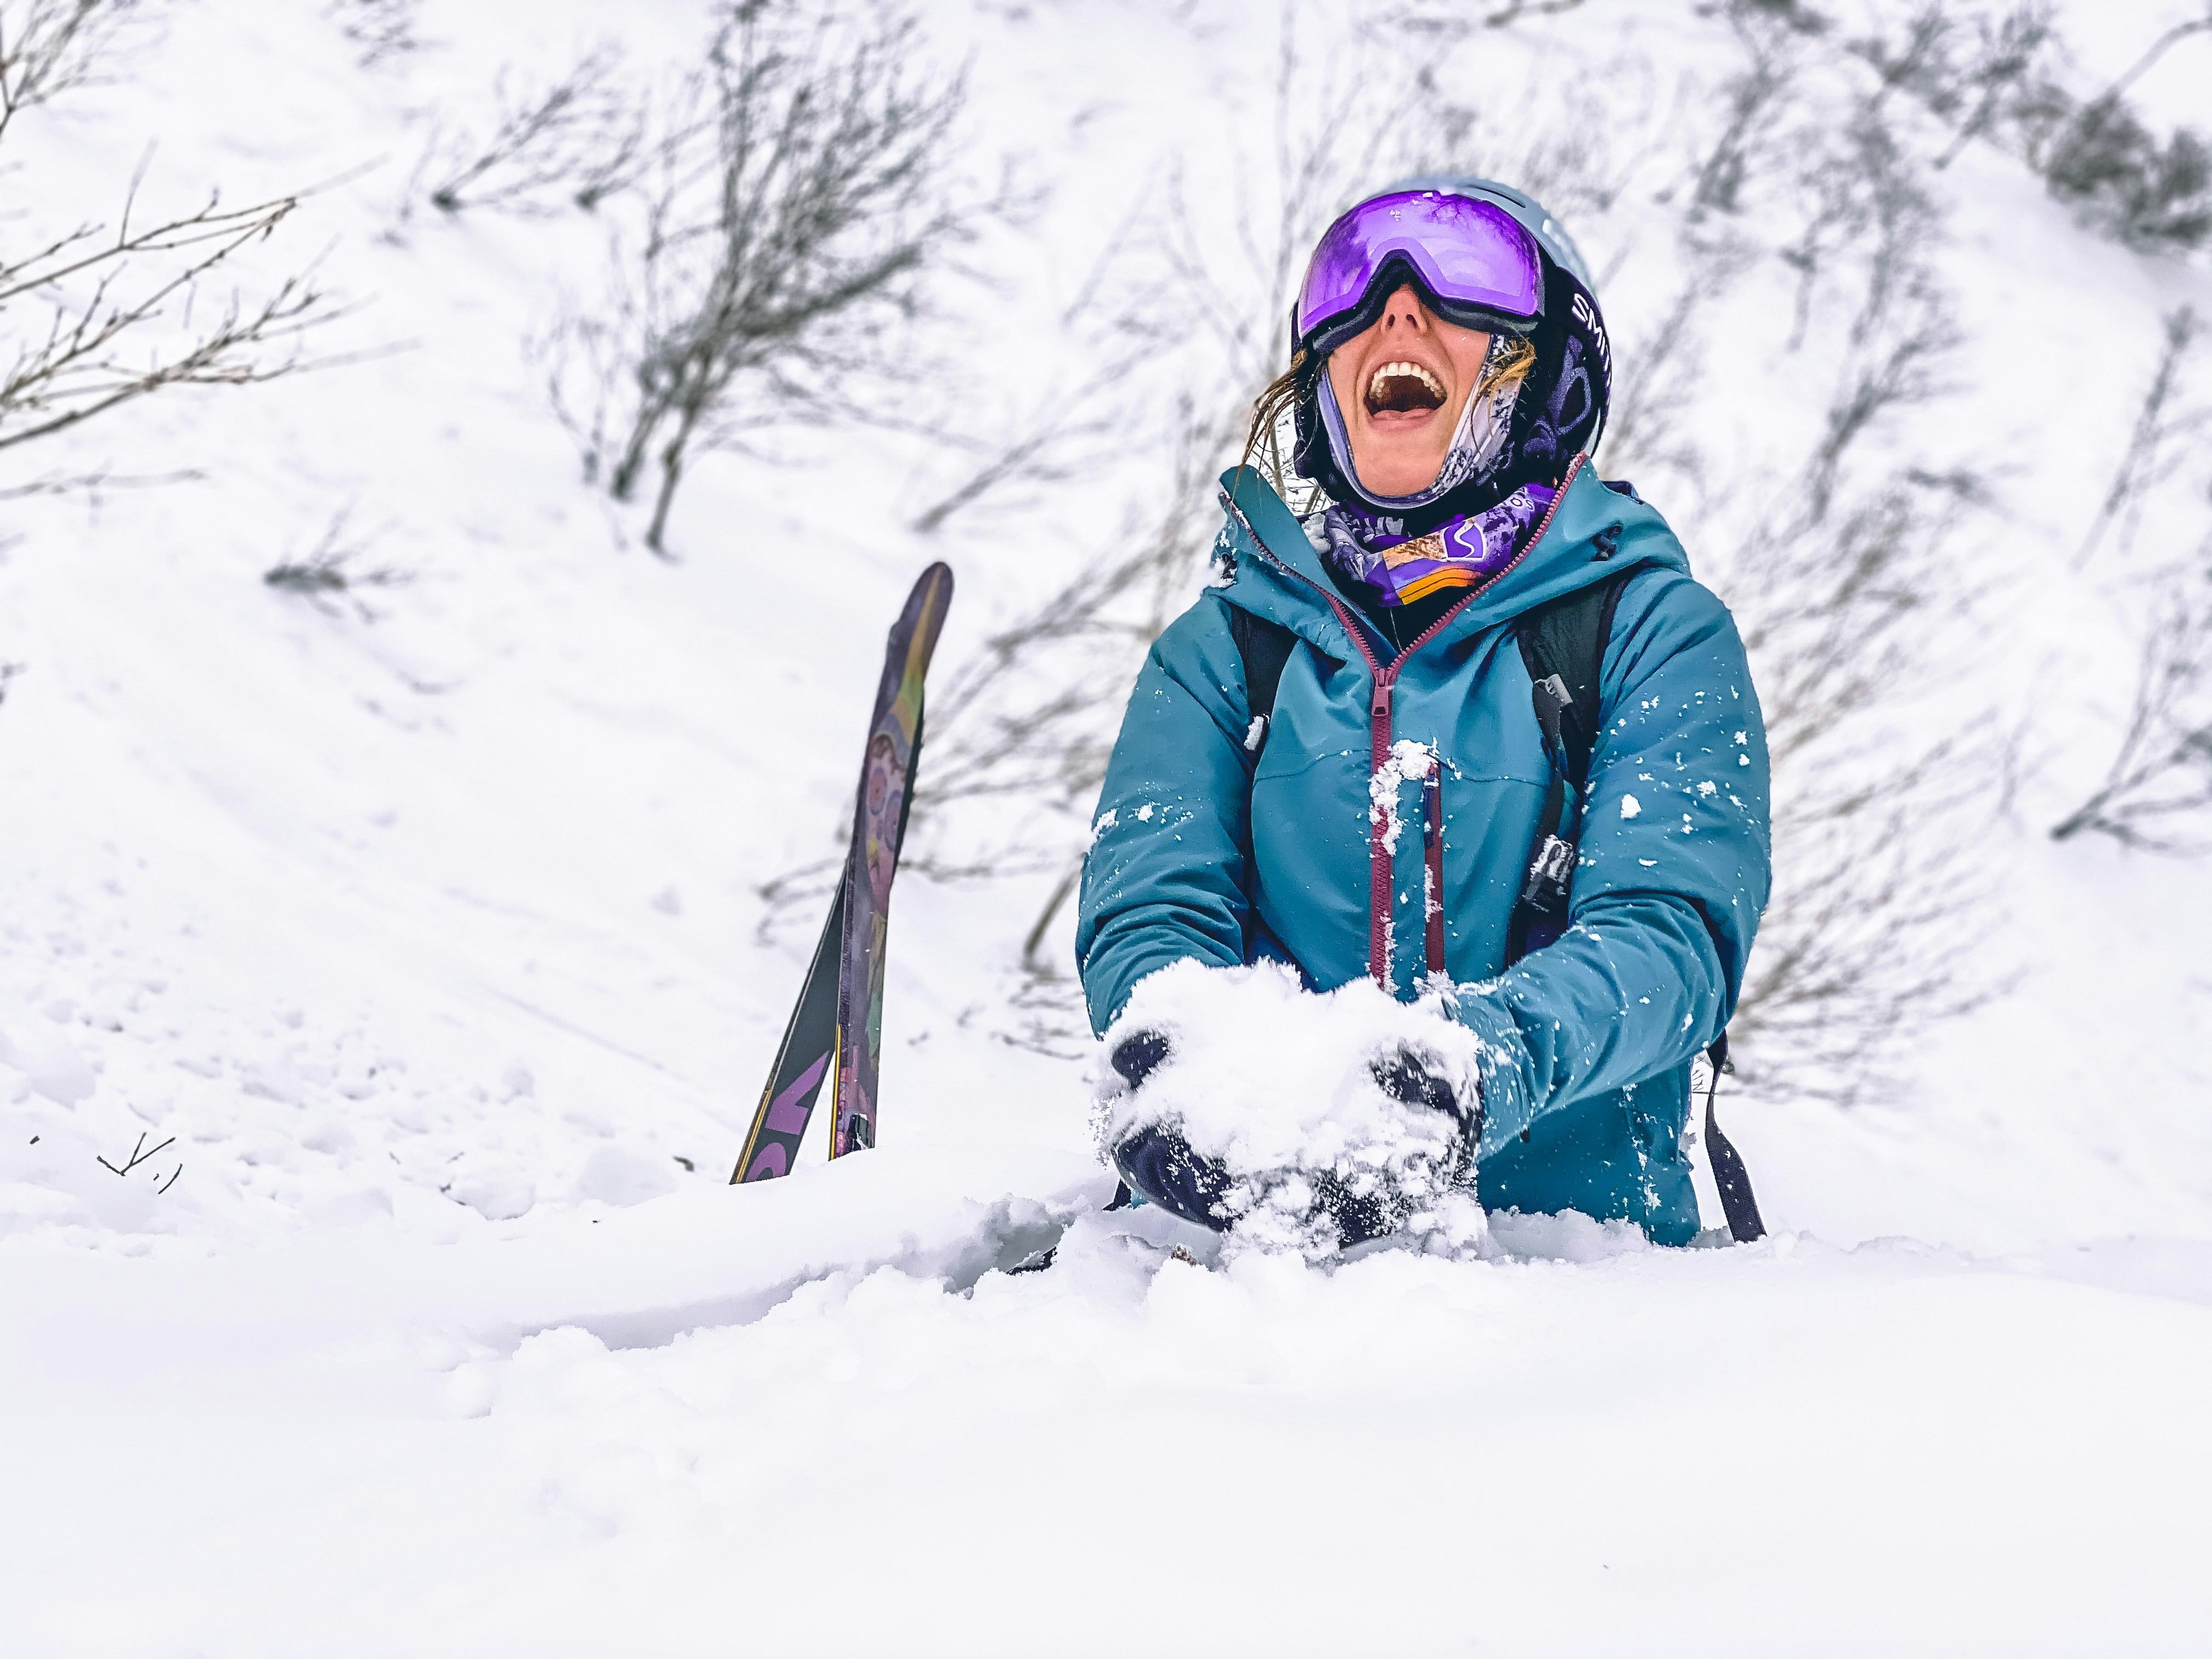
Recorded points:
(1403, 388)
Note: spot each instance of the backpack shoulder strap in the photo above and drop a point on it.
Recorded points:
(1566, 638)
(1264, 647)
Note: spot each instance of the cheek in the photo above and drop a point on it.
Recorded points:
(1340, 382)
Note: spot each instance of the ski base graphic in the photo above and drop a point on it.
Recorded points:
(835, 1033)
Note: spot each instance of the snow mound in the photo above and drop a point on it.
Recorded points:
(1276, 1084)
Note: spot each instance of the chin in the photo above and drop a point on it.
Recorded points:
(1406, 478)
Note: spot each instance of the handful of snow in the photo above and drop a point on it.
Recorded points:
(1276, 1085)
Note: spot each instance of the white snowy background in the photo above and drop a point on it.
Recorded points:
(422, 930)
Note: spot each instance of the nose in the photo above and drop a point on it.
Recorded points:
(1404, 309)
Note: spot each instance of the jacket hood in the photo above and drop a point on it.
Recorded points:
(1265, 564)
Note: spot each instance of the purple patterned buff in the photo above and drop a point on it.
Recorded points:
(1462, 552)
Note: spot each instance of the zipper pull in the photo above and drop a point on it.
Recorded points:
(1379, 710)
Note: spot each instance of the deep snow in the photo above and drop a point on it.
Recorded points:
(422, 945)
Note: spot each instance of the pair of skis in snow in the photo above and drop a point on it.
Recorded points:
(835, 1033)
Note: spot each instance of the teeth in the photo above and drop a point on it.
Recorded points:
(1405, 371)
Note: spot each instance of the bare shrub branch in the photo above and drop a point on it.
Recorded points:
(1755, 98)
(2157, 793)
(2098, 154)
(1456, 24)
(113, 310)
(2123, 180)
(2152, 439)
(94, 356)
(574, 143)
(786, 237)
(48, 48)
(330, 571)
(382, 29)
(95, 484)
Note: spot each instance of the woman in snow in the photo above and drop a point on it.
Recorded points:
(1470, 730)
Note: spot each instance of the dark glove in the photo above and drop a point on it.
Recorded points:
(1156, 1162)
(1405, 1075)
(1138, 1055)
(1159, 1163)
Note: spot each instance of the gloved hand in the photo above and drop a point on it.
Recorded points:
(1236, 1098)
(1155, 1161)
(1371, 1209)
(1406, 1074)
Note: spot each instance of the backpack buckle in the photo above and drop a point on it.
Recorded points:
(1546, 889)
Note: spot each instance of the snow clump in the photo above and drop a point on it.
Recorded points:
(1275, 1083)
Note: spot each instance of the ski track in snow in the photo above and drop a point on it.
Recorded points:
(412, 957)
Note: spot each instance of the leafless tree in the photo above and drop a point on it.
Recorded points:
(787, 235)
(93, 318)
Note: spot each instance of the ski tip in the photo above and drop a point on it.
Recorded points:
(934, 586)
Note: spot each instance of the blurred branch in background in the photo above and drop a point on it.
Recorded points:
(1999, 77)
(574, 142)
(331, 571)
(1844, 565)
(382, 29)
(2154, 449)
(2156, 793)
(48, 48)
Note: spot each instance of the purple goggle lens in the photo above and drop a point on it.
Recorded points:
(1479, 266)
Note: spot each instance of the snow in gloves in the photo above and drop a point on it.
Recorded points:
(1435, 838)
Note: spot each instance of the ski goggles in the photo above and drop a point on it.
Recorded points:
(1475, 265)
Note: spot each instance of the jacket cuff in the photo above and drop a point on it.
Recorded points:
(1502, 1060)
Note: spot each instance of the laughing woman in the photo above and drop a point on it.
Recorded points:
(1470, 729)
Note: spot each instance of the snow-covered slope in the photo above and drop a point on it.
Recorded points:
(421, 947)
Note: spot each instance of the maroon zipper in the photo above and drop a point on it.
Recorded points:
(1433, 849)
(1379, 874)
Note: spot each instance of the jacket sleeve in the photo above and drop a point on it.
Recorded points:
(1165, 876)
(1673, 872)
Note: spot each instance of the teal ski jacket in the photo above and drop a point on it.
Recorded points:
(1197, 852)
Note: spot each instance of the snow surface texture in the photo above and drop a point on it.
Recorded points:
(1276, 1085)
(414, 954)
